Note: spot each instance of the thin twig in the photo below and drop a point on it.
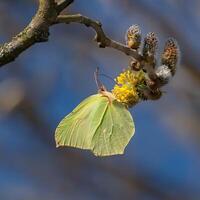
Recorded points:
(63, 4)
(100, 37)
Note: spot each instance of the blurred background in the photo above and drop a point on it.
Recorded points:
(48, 80)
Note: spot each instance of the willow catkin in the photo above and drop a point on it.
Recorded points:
(133, 37)
(170, 55)
(150, 45)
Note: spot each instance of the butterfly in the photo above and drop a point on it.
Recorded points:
(99, 123)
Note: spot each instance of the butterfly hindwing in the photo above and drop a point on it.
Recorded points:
(115, 132)
(98, 125)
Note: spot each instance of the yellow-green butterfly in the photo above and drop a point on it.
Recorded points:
(99, 123)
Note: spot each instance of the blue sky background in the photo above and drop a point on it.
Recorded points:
(48, 80)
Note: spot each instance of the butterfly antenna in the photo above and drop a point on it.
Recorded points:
(100, 86)
(109, 78)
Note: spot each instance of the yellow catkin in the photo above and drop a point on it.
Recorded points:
(126, 88)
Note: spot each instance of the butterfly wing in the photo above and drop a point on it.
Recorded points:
(78, 128)
(115, 131)
(96, 124)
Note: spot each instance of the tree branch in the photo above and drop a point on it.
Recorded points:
(101, 38)
(36, 31)
(63, 4)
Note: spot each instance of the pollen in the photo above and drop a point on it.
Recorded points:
(126, 88)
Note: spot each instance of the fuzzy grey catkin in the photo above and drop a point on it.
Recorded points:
(163, 74)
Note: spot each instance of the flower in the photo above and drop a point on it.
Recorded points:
(126, 89)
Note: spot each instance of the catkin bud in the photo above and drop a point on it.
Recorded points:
(150, 45)
(135, 65)
(133, 37)
(170, 55)
(163, 74)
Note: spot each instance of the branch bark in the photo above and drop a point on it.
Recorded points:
(63, 4)
(38, 31)
(101, 38)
